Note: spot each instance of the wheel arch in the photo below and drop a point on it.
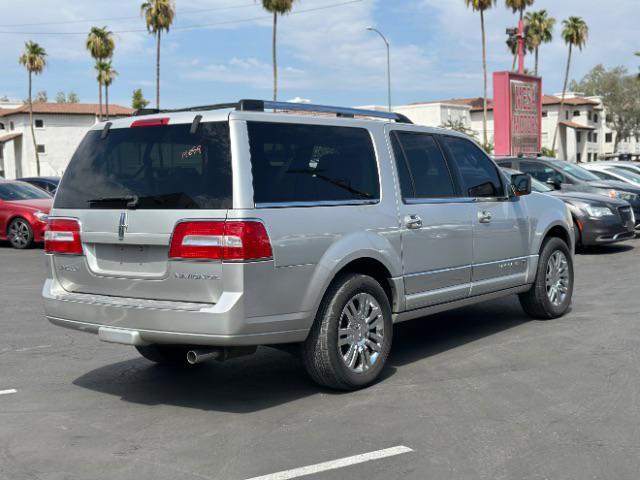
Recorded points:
(560, 231)
(376, 257)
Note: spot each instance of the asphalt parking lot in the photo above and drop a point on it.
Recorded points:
(480, 393)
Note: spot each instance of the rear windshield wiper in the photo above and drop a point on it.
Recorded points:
(332, 181)
(131, 201)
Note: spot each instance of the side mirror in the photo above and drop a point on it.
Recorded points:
(521, 184)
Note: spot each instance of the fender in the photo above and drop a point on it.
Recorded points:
(355, 246)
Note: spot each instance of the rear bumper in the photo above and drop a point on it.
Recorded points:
(150, 321)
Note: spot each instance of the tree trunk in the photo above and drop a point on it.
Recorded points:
(275, 56)
(158, 70)
(100, 100)
(106, 100)
(536, 67)
(484, 70)
(33, 132)
(564, 92)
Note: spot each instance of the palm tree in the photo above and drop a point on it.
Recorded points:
(34, 60)
(276, 7)
(574, 33)
(106, 76)
(541, 31)
(518, 6)
(101, 45)
(158, 15)
(481, 6)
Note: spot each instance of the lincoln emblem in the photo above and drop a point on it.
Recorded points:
(122, 227)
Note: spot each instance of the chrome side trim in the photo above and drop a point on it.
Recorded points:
(444, 270)
(328, 203)
(437, 201)
(434, 272)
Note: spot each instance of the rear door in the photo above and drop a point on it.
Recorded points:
(501, 225)
(436, 222)
(129, 188)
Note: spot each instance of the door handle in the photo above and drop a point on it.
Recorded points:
(413, 222)
(484, 217)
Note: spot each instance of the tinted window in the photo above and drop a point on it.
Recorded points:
(312, 163)
(541, 172)
(479, 174)
(20, 191)
(164, 167)
(422, 169)
(571, 169)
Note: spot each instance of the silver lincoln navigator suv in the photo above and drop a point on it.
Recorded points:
(203, 233)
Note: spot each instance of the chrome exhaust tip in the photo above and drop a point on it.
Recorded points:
(202, 355)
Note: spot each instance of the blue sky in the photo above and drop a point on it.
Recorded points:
(326, 55)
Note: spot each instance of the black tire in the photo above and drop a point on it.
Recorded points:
(536, 302)
(20, 234)
(321, 354)
(168, 355)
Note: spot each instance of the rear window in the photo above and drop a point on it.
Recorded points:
(161, 167)
(312, 163)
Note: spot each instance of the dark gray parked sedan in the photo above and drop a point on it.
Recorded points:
(597, 219)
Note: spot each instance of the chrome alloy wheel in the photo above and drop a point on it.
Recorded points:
(557, 278)
(19, 233)
(361, 332)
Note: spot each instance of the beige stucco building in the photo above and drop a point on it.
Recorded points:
(583, 133)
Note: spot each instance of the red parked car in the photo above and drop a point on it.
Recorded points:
(24, 210)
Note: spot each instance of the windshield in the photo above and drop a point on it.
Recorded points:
(20, 191)
(629, 175)
(574, 170)
(159, 167)
(538, 186)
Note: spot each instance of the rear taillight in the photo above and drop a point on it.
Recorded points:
(63, 236)
(233, 241)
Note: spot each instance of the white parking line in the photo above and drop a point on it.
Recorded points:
(7, 392)
(335, 464)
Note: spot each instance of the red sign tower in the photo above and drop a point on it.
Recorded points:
(517, 109)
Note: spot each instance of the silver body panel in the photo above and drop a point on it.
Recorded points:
(127, 286)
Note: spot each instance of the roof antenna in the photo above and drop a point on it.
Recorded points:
(195, 124)
(105, 130)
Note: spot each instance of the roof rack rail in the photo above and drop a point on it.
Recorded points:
(261, 105)
(249, 105)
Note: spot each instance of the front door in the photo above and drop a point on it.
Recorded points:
(501, 225)
(436, 222)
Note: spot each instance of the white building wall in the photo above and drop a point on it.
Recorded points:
(60, 135)
(436, 114)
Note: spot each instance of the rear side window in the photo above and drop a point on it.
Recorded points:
(479, 174)
(159, 167)
(422, 168)
(541, 172)
(312, 163)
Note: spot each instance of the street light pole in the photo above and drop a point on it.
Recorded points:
(372, 29)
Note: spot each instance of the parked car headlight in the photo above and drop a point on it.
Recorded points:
(629, 197)
(41, 216)
(597, 212)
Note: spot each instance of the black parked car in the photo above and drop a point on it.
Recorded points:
(569, 177)
(48, 184)
(597, 219)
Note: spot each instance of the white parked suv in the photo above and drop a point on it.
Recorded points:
(205, 232)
